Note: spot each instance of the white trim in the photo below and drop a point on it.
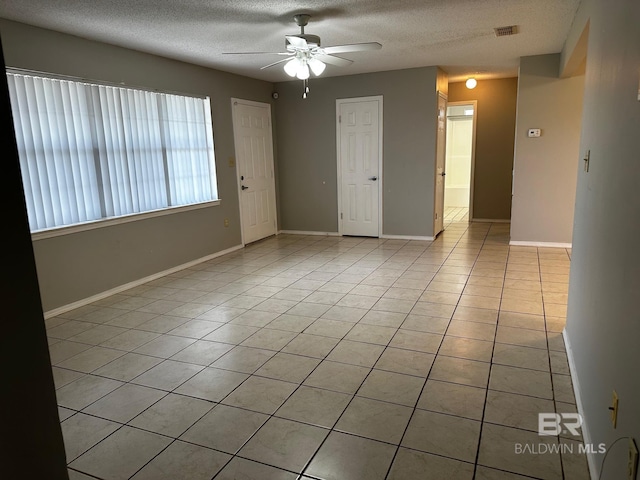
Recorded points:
(340, 101)
(407, 237)
(135, 283)
(473, 148)
(539, 244)
(251, 103)
(586, 434)
(444, 96)
(304, 232)
(107, 222)
(491, 220)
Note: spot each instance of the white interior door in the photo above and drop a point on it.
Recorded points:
(254, 164)
(359, 165)
(441, 141)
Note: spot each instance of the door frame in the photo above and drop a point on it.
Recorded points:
(435, 162)
(473, 149)
(342, 101)
(234, 102)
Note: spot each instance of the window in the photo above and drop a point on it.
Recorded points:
(90, 151)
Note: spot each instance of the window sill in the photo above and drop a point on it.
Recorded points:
(107, 222)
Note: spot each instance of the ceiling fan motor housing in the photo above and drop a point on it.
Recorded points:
(312, 40)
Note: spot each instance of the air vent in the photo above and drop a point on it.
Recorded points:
(505, 31)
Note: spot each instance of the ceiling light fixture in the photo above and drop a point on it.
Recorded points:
(471, 83)
(305, 55)
(317, 67)
(299, 67)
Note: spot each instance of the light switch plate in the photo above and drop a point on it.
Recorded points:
(534, 132)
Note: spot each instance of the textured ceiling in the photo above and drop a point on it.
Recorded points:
(454, 34)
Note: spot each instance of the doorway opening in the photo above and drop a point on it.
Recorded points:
(460, 159)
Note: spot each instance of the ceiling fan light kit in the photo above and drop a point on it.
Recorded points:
(305, 55)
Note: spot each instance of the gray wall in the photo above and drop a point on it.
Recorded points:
(495, 130)
(544, 181)
(306, 134)
(603, 324)
(76, 266)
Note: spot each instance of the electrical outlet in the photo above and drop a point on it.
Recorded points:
(633, 460)
(226, 222)
(614, 409)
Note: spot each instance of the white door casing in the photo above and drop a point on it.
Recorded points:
(254, 166)
(441, 141)
(359, 151)
(474, 117)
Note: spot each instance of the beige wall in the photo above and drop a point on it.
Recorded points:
(442, 82)
(545, 168)
(76, 266)
(495, 128)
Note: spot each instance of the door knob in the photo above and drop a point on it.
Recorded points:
(373, 179)
(244, 188)
(443, 174)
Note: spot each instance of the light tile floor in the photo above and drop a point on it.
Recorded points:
(455, 215)
(325, 358)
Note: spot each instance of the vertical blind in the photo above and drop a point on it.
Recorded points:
(90, 151)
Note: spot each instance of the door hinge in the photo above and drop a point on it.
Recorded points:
(340, 215)
(339, 118)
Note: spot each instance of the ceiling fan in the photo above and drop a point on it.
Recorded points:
(304, 54)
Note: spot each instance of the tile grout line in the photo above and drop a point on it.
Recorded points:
(332, 429)
(415, 407)
(486, 393)
(290, 395)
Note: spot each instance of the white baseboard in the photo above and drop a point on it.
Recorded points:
(539, 244)
(135, 283)
(304, 232)
(407, 237)
(337, 234)
(586, 435)
(491, 220)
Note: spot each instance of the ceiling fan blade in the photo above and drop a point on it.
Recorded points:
(275, 63)
(256, 53)
(297, 41)
(356, 47)
(331, 60)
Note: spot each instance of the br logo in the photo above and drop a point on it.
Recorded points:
(557, 423)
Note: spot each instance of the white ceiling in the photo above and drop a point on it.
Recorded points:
(454, 34)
